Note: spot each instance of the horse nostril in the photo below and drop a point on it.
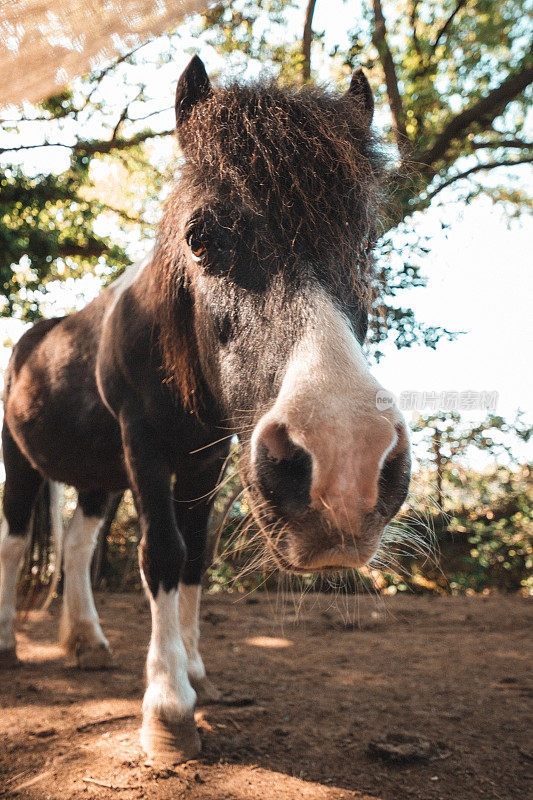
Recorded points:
(394, 483)
(283, 471)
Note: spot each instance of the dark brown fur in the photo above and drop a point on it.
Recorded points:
(302, 173)
(266, 239)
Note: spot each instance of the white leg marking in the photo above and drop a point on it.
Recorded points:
(169, 695)
(79, 624)
(12, 549)
(189, 604)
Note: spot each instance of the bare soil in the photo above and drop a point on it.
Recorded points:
(326, 681)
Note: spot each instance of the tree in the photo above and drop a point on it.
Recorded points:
(50, 221)
(454, 77)
(447, 441)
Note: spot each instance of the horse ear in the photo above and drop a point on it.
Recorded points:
(192, 87)
(360, 90)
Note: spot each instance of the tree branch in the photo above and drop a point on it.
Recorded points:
(120, 212)
(514, 143)
(119, 60)
(64, 113)
(448, 22)
(124, 115)
(379, 37)
(484, 111)
(414, 21)
(477, 168)
(34, 147)
(307, 39)
(96, 146)
(151, 114)
(89, 147)
(89, 250)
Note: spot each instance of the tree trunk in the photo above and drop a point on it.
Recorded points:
(307, 40)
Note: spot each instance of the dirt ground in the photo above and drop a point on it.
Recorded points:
(324, 679)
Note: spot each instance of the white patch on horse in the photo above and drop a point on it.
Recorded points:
(169, 695)
(80, 629)
(327, 406)
(189, 606)
(12, 549)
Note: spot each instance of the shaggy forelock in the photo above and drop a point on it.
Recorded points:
(304, 160)
(304, 167)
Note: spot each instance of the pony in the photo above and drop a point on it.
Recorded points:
(248, 319)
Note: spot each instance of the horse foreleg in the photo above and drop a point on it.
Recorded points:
(168, 732)
(80, 631)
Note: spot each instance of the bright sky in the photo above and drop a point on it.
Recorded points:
(479, 270)
(479, 282)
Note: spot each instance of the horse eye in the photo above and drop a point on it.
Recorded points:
(198, 243)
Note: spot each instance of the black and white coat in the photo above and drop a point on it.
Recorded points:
(221, 331)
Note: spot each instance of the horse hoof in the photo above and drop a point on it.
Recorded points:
(206, 691)
(9, 658)
(168, 743)
(97, 657)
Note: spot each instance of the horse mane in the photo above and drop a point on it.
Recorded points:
(305, 161)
